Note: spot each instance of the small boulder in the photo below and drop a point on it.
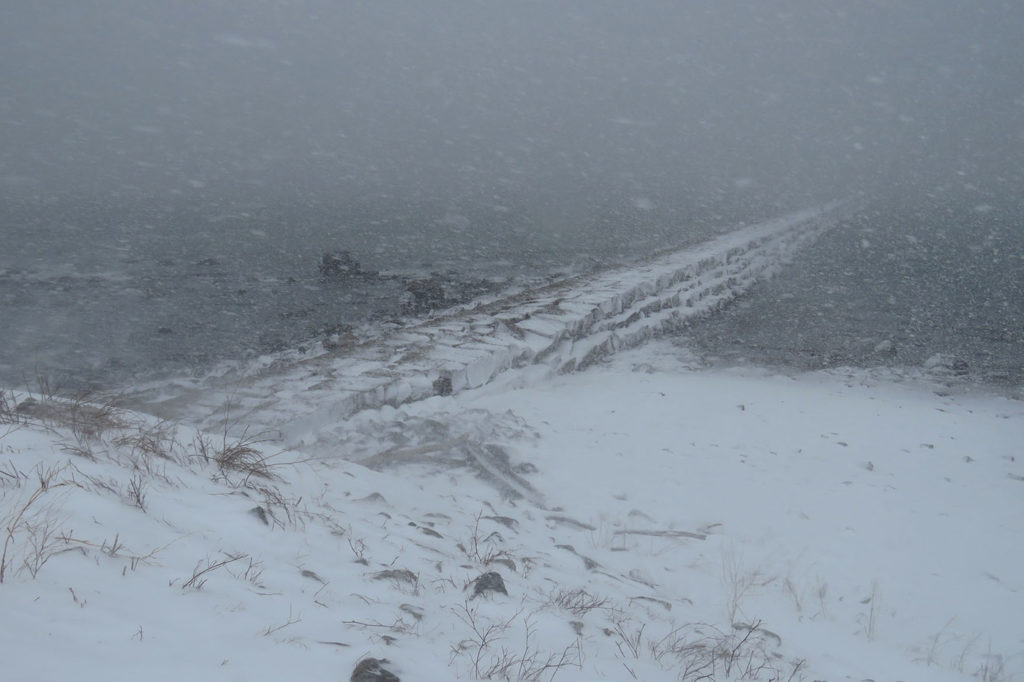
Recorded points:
(489, 582)
(443, 385)
(371, 670)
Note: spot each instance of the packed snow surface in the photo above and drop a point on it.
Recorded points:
(650, 518)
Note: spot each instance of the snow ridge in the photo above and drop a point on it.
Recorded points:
(564, 326)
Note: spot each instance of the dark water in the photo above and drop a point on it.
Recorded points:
(97, 295)
(939, 284)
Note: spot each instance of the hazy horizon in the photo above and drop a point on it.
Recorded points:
(478, 102)
(138, 138)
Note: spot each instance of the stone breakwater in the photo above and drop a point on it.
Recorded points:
(564, 326)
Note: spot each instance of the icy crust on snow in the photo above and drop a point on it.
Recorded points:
(563, 326)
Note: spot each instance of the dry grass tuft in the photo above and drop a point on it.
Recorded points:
(9, 415)
(484, 550)
(698, 651)
(30, 527)
(578, 602)
(84, 417)
(241, 455)
(484, 656)
(207, 566)
(147, 442)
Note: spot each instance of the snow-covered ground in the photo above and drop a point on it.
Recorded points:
(651, 519)
(642, 516)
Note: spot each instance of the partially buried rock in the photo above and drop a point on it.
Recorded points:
(27, 406)
(489, 582)
(443, 385)
(373, 498)
(370, 670)
(261, 514)
(424, 295)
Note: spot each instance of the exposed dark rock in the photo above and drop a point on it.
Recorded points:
(506, 521)
(261, 514)
(398, 575)
(757, 629)
(371, 670)
(504, 561)
(305, 573)
(443, 385)
(660, 602)
(414, 611)
(27, 406)
(489, 582)
(425, 295)
(572, 523)
(588, 563)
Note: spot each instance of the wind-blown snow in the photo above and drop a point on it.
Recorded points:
(650, 518)
(873, 528)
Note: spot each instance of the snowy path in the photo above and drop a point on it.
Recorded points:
(564, 326)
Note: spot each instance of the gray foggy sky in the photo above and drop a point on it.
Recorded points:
(562, 101)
